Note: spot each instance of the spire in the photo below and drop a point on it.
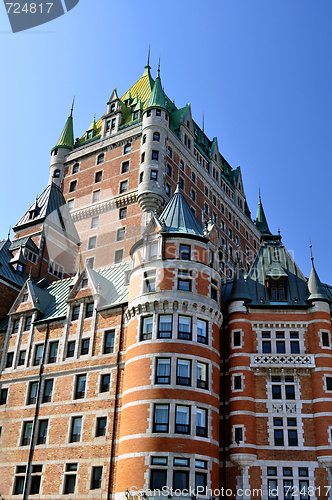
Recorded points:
(157, 97)
(203, 122)
(315, 286)
(261, 222)
(240, 288)
(66, 139)
(148, 61)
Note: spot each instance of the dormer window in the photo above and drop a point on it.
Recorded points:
(277, 291)
(112, 107)
(89, 134)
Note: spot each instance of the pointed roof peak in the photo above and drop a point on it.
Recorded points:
(177, 216)
(72, 107)
(315, 286)
(158, 71)
(66, 139)
(261, 222)
(240, 288)
(148, 60)
(157, 97)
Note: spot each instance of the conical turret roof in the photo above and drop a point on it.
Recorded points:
(157, 97)
(240, 288)
(261, 222)
(66, 139)
(315, 286)
(177, 216)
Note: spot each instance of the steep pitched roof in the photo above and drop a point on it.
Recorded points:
(261, 222)
(316, 289)
(239, 289)
(157, 97)
(6, 270)
(177, 216)
(66, 139)
(26, 241)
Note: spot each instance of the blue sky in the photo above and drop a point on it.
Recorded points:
(260, 70)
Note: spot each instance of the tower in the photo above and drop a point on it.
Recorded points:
(64, 145)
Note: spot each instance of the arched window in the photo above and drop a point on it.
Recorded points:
(100, 159)
(56, 174)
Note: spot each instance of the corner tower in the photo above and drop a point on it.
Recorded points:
(63, 147)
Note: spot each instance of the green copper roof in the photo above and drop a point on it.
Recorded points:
(157, 97)
(142, 88)
(261, 222)
(67, 136)
(93, 125)
(177, 217)
(315, 286)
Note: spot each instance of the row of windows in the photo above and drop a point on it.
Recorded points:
(165, 326)
(177, 472)
(183, 370)
(52, 355)
(293, 484)
(69, 479)
(120, 234)
(96, 194)
(47, 389)
(182, 423)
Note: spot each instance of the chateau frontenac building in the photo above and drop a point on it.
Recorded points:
(155, 340)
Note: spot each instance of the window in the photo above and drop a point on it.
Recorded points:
(156, 136)
(32, 393)
(101, 426)
(170, 152)
(89, 310)
(154, 175)
(201, 423)
(238, 434)
(112, 107)
(206, 209)
(202, 378)
(165, 326)
(105, 381)
(76, 429)
(98, 176)
(183, 372)
(96, 476)
(113, 123)
(158, 112)
(184, 252)
(53, 352)
(127, 149)
(85, 346)
(39, 349)
(202, 329)
(109, 341)
(144, 139)
(95, 196)
(193, 195)
(121, 233)
(80, 387)
(168, 189)
(147, 323)
(3, 396)
(283, 388)
(325, 339)
(184, 284)
(36, 474)
(143, 157)
(89, 262)
(42, 431)
(75, 168)
(92, 242)
(237, 382)
(71, 349)
(184, 331)
(141, 177)
(158, 479)
(70, 478)
(10, 359)
(75, 313)
(16, 326)
(237, 339)
(123, 186)
(155, 155)
(27, 324)
(125, 167)
(214, 290)
(19, 479)
(72, 186)
(168, 170)
(160, 418)
(26, 434)
(163, 371)
(182, 419)
(181, 183)
(149, 281)
(193, 177)
(108, 125)
(118, 256)
(329, 383)
(21, 359)
(123, 213)
(48, 390)
(180, 480)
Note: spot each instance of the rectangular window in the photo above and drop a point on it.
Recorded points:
(98, 176)
(85, 346)
(80, 386)
(278, 437)
(154, 175)
(163, 371)
(276, 391)
(160, 418)
(53, 352)
(121, 233)
(149, 283)
(158, 479)
(76, 429)
(184, 284)
(290, 391)
(202, 329)
(89, 310)
(184, 252)
(21, 359)
(165, 326)
(96, 476)
(292, 437)
(71, 349)
(147, 323)
(182, 419)
(200, 480)
(168, 189)
(27, 324)
(202, 376)
(237, 382)
(72, 186)
(32, 394)
(101, 426)
(27, 432)
(105, 382)
(42, 431)
(95, 196)
(154, 155)
(125, 167)
(39, 349)
(123, 213)
(168, 170)
(109, 341)
(10, 359)
(3, 396)
(70, 479)
(19, 480)
(48, 390)
(92, 242)
(214, 290)
(325, 339)
(238, 435)
(118, 256)
(180, 480)
(329, 383)
(36, 474)
(123, 186)
(184, 328)
(183, 372)
(236, 339)
(201, 422)
(75, 313)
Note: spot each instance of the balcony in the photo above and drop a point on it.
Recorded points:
(285, 361)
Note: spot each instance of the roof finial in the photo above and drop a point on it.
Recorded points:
(203, 123)
(158, 72)
(10, 228)
(279, 231)
(311, 255)
(259, 191)
(148, 61)
(72, 107)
